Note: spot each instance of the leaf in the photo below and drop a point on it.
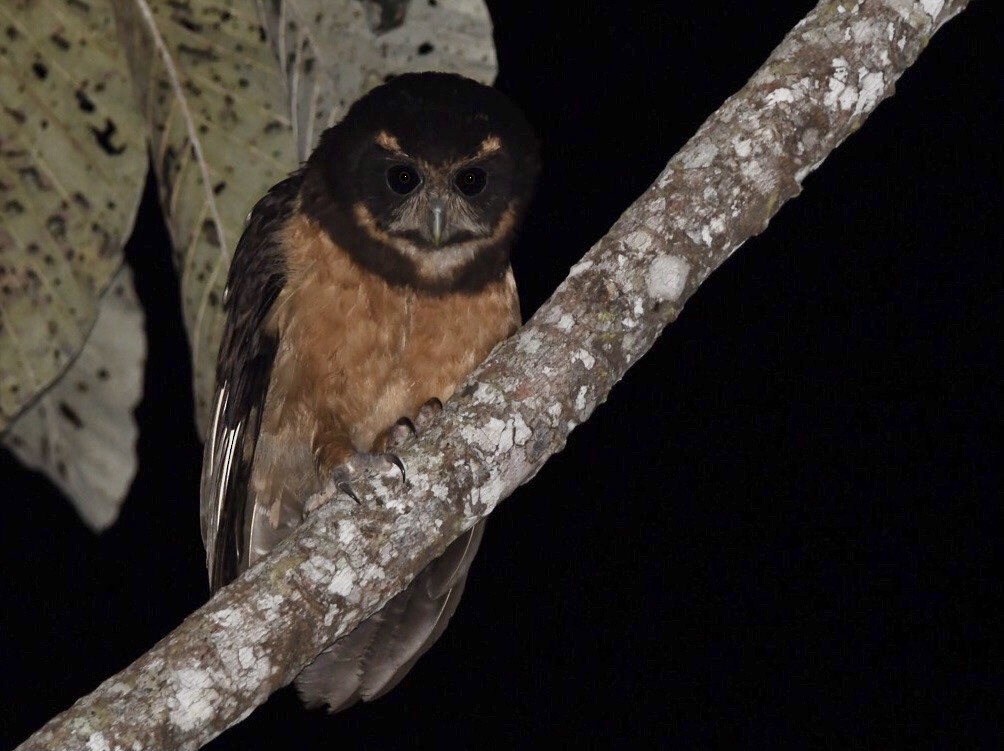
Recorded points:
(211, 94)
(384, 15)
(329, 55)
(72, 161)
(80, 432)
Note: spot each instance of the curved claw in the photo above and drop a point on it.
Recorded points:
(400, 433)
(396, 461)
(361, 464)
(426, 414)
(346, 488)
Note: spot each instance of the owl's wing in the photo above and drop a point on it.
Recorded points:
(368, 662)
(247, 352)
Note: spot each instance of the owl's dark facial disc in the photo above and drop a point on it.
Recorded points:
(425, 180)
(433, 206)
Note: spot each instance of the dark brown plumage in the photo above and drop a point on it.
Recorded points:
(365, 285)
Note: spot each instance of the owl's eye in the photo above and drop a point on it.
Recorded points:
(471, 181)
(403, 179)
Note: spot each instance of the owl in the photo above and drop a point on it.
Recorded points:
(366, 286)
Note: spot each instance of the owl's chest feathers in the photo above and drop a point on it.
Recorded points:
(356, 354)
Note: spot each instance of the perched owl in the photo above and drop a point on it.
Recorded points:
(365, 288)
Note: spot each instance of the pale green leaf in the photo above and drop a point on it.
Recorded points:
(220, 137)
(72, 161)
(330, 56)
(80, 432)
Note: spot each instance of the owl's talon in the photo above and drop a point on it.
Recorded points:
(405, 428)
(426, 414)
(346, 488)
(362, 464)
(396, 461)
(320, 500)
(399, 433)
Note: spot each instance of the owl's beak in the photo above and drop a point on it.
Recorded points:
(436, 222)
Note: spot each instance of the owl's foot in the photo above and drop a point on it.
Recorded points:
(405, 429)
(356, 467)
(397, 434)
(426, 414)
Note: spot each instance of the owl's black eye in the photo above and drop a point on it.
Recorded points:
(403, 179)
(471, 181)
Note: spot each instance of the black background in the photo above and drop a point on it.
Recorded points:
(780, 527)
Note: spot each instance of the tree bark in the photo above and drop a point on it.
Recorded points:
(347, 559)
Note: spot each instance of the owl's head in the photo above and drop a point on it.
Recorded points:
(425, 181)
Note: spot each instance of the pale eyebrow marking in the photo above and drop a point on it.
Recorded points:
(489, 146)
(389, 142)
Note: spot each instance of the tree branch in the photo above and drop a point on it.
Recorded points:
(346, 560)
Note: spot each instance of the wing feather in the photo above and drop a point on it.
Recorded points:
(370, 661)
(247, 352)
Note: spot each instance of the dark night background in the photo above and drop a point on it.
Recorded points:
(779, 529)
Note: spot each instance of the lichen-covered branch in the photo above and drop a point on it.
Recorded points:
(253, 637)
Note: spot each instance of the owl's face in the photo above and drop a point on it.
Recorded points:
(434, 203)
(425, 180)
